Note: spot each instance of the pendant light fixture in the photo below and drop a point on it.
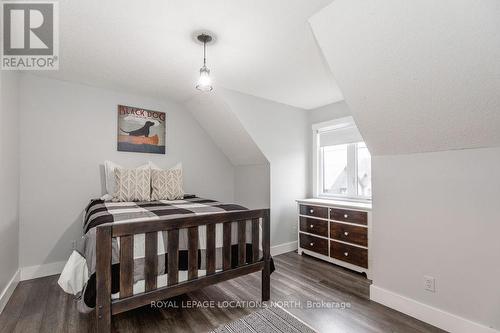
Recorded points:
(204, 82)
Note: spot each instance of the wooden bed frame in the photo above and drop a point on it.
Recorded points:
(106, 307)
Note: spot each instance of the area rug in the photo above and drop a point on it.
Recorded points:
(271, 319)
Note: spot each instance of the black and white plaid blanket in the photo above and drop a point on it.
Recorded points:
(99, 212)
(78, 276)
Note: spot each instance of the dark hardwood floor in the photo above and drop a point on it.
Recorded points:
(41, 306)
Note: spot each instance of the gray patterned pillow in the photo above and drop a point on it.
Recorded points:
(166, 184)
(132, 185)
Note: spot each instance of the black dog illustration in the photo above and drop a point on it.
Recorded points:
(143, 131)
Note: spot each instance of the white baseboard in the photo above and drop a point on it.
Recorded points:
(36, 271)
(9, 289)
(429, 314)
(284, 248)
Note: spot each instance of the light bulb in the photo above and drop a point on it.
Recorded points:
(204, 82)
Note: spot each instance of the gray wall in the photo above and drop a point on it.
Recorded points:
(252, 185)
(9, 177)
(251, 168)
(67, 131)
(437, 214)
(279, 132)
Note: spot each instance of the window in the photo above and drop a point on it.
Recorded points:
(342, 162)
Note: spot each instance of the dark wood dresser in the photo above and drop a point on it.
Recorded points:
(336, 231)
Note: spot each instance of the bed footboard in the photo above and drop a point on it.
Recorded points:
(106, 307)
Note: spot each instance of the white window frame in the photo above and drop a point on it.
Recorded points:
(352, 152)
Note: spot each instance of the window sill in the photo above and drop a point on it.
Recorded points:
(366, 205)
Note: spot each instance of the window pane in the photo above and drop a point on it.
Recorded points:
(364, 171)
(335, 169)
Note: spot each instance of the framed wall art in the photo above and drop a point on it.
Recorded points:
(141, 130)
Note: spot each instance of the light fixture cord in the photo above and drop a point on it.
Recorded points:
(204, 53)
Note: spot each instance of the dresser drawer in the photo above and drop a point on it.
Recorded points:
(315, 244)
(349, 233)
(314, 226)
(351, 216)
(351, 254)
(314, 211)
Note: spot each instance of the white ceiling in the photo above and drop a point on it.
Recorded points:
(418, 76)
(264, 48)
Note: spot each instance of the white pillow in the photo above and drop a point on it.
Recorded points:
(155, 167)
(110, 179)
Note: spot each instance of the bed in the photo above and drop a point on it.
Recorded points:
(134, 253)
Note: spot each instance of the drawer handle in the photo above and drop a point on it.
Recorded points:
(346, 254)
(311, 244)
(346, 233)
(311, 226)
(346, 216)
(311, 211)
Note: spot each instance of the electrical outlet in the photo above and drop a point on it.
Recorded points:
(429, 283)
(73, 244)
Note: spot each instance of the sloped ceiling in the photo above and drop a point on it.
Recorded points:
(263, 48)
(418, 76)
(225, 129)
